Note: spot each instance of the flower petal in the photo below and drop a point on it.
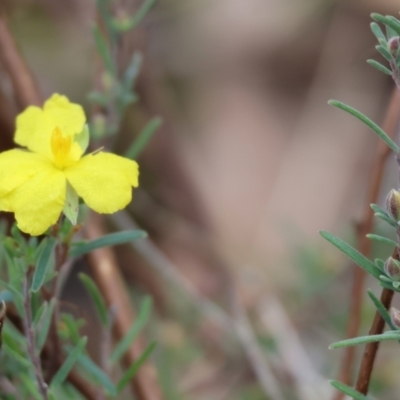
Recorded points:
(38, 202)
(104, 181)
(35, 126)
(17, 166)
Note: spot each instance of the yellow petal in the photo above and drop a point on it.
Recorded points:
(104, 181)
(38, 202)
(35, 126)
(17, 166)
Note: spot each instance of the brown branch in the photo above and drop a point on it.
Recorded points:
(364, 244)
(107, 275)
(25, 88)
(367, 362)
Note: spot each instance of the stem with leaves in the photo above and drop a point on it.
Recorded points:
(30, 336)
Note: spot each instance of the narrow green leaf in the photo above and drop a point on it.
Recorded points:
(387, 219)
(381, 309)
(97, 373)
(378, 209)
(43, 264)
(382, 239)
(132, 72)
(380, 264)
(73, 356)
(348, 390)
(130, 373)
(385, 52)
(389, 335)
(377, 31)
(143, 138)
(379, 131)
(131, 23)
(137, 326)
(387, 21)
(43, 325)
(96, 297)
(30, 386)
(351, 252)
(79, 249)
(380, 67)
(104, 50)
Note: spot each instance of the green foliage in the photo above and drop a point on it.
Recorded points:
(348, 390)
(379, 131)
(81, 248)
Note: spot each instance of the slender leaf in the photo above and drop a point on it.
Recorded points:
(104, 50)
(351, 252)
(380, 264)
(97, 373)
(385, 53)
(79, 249)
(73, 356)
(378, 209)
(348, 390)
(6, 296)
(30, 386)
(377, 31)
(43, 264)
(132, 71)
(379, 67)
(144, 137)
(387, 21)
(134, 330)
(382, 239)
(389, 335)
(379, 131)
(381, 309)
(387, 219)
(43, 325)
(96, 297)
(130, 373)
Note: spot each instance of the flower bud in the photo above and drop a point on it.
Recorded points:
(394, 45)
(392, 269)
(395, 317)
(393, 204)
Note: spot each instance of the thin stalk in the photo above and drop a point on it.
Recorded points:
(30, 336)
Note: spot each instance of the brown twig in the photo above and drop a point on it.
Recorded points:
(364, 244)
(25, 89)
(106, 273)
(367, 362)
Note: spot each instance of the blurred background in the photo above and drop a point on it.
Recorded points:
(248, 164)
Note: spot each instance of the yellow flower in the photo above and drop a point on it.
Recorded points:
(34, 183)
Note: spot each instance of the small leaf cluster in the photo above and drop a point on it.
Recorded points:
(29, 274)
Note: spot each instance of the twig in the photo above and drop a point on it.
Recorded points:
(30, 337)
(309, 384)
(25, 89)
(105, 270)
(254, 353)
(364, 244)
(367, 362)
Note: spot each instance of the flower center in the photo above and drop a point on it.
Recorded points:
(61, 147)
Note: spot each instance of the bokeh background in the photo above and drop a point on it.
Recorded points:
(249, 163)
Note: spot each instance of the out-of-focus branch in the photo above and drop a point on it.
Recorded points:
(107, 275)
(25, 88)
(238, 325)
(363, 243)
